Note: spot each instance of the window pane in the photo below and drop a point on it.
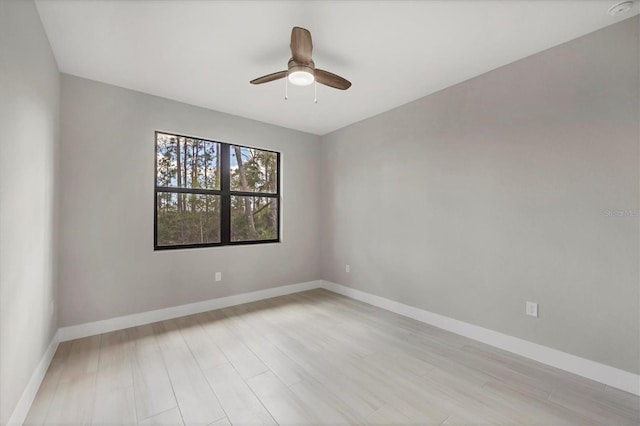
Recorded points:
(254, 218)
(166, 148)
(253, 170)
(187, 219)
(187, 163)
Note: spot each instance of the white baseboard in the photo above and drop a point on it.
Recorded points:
(28, 395)
(593, 370)
(119, 323)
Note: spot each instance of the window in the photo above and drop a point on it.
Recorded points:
(211, 193)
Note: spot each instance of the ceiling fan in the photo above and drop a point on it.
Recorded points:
(302, 70)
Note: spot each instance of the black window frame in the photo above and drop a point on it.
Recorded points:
(224, 192)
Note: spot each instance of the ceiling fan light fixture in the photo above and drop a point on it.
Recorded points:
(301, 70)
(300, 78)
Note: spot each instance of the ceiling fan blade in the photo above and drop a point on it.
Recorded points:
(331, 80)
(301, 46)
(269, 77)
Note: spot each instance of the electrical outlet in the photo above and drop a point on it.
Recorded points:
(347, 268)
(532, 309)
(218, 276)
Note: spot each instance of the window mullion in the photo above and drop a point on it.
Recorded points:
(187, 190)
(225, 199)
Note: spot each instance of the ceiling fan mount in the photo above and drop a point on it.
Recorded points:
(301, 70)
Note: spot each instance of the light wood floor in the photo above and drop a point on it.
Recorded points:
(310, 358)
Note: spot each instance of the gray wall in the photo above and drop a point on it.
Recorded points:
(108, 267)
(29, 119)
(470, 201)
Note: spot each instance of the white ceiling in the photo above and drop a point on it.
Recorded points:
(205, 52)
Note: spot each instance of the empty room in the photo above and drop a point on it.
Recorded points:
(319, 212)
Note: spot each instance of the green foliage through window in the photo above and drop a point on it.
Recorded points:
(211, 193)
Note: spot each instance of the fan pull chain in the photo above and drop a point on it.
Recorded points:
(315, 90)
(286, 88)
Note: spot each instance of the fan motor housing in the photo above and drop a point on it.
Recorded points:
(295, 66)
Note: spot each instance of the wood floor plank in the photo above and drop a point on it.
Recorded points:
(83, 357)
(471, 400)
(406, 392)
(151, 383)
(621, 397)
(387, 415)
(204, 349)
(282, 366)
(601, 412)
(242, 358)
(222, 422)
(283, 405)
(310, 358)
(114, 406)
(323, 404)
(114, 401)
(72, 402)
(507, 366)
(238, 400)
(115, 346)
(197, 402)
(170, 417)
(545, 410)
(331, 373)
(40, 407)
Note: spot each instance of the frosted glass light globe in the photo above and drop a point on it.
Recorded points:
(301, 78)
